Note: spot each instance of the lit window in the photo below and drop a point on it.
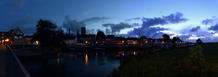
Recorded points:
(15, 37)
(7, 40)
(86, 42)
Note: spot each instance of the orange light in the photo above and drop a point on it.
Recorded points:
(37, 42)
(123, 41)
(7, 40)
(58, 60)
(86, 42)
(86, 59)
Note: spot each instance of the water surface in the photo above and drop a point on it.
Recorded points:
(75, 64)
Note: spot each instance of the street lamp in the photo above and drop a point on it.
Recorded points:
(37, 42)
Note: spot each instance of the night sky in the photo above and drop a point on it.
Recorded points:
(187, 19)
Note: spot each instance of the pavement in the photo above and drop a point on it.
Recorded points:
(8, 64)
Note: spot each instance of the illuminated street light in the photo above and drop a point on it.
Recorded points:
(37, 42)
(86, 42)
(123, 41)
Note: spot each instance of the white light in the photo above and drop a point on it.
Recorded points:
(194, 37)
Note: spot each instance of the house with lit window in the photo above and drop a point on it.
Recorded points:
(3, 37)
(13, 36)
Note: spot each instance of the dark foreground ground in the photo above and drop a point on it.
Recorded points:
(197, 61)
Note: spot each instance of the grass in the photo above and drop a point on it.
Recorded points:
(199, 61)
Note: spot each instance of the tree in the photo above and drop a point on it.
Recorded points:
(199, 42)
(166, 37)
(48, 35)
(100, 36)
(176, 39)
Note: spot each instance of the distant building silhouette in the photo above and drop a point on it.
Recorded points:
(83, 31)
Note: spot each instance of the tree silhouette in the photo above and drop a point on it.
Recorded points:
(100, 36)
(48, 35)
(166, 37)
(199, 42)
(176, 39)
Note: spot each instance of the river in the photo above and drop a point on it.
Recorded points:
(99, 63)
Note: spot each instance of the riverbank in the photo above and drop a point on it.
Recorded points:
(197, 61)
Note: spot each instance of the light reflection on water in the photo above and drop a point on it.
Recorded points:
(86, 60)
(75, 64)
(58, 60)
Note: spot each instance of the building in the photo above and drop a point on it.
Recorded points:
(132, 41)
(17, 36)
(13, 36)
(83, 31)
(16, 33)
(4, 35)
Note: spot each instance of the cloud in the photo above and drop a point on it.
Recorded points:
(170, 19)
(215, 27)
(151, 32)
(73, 25)
(131, 19)
(26, 24)
(115, 28)
(136, 24)
(148, 30)
(195, 37)
(194, 29)
(211, 21)
(90, 31)
(94, 19)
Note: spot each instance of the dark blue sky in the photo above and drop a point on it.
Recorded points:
(123, 16)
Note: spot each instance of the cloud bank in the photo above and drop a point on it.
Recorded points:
(115, 28)
(148, 30)
(75, 25)
(194, 29)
